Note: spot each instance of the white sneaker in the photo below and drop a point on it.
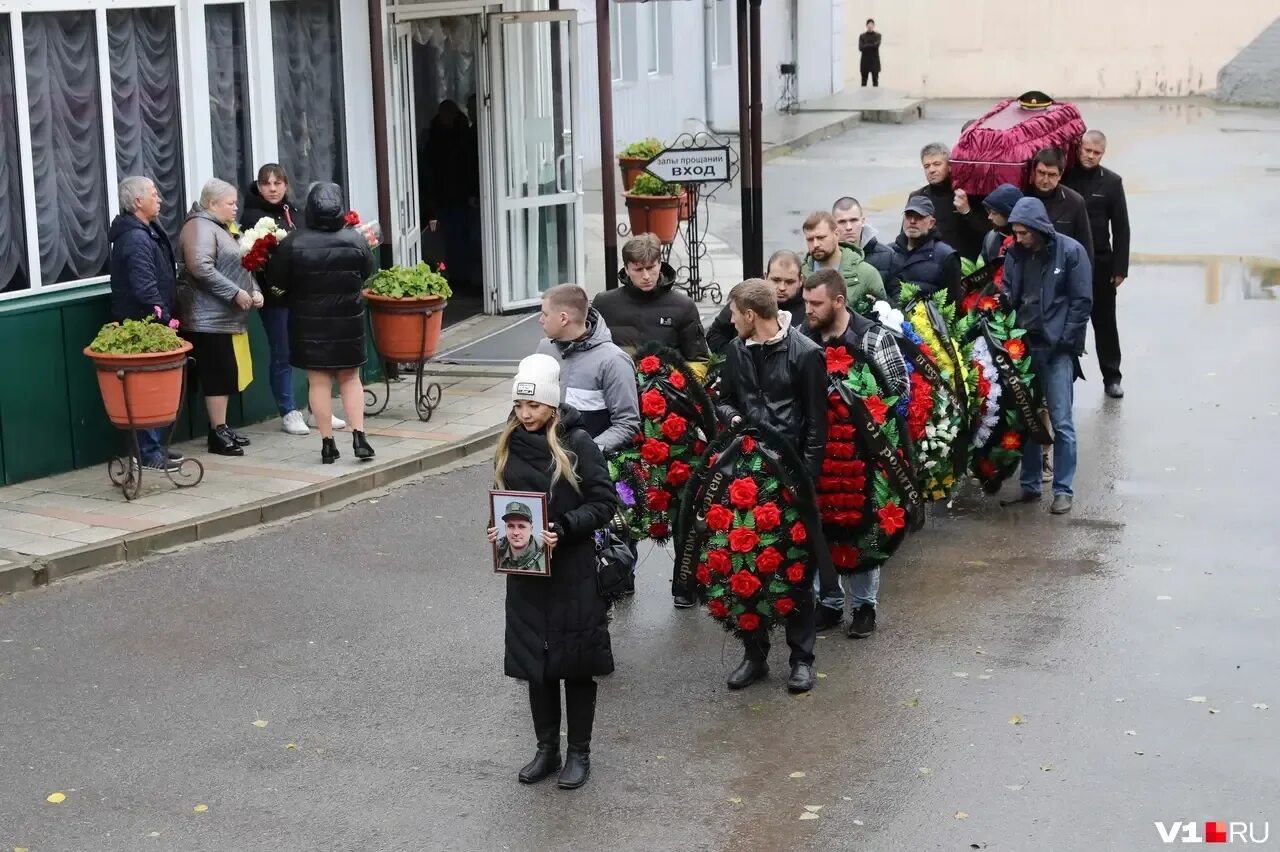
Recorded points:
(292, 424)
(336, 423)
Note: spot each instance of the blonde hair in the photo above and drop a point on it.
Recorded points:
(564, 459)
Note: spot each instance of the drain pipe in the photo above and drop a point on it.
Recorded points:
(708, 68)
(377, 23)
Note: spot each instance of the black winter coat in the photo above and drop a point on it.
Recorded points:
(1069, 215)
(557, 626)
(284, 214)
(661, 315)
(142, 270)
(781, 385)
(880, 256)
(933, 265)
(722, 332)
(1103, 194)
(962, 231)
(322, 270)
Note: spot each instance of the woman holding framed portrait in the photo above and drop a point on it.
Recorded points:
(557, 627)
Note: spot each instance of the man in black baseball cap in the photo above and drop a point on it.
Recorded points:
(920, 256)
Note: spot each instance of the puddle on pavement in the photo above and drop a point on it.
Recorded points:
(1223, 278)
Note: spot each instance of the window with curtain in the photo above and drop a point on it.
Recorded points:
(229, 93)
(65, 103)
(307, 47)
(144, 94)
(13, 232)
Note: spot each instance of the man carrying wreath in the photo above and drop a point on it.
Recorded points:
(775, 377)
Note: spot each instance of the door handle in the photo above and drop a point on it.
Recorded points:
(577, 178)
(560, 161)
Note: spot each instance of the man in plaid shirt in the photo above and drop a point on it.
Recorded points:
(830, 322)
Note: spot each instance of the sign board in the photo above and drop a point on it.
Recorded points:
(690, 165)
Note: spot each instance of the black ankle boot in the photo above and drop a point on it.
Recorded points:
(329, 451)
(580, 710)
(360, 446)
(546, 761)
(221, 442)
(544, 704)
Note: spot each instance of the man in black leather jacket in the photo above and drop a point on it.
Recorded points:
(783, 272)
(776, 377)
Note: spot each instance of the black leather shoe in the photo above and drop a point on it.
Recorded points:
(801, 679)
(546, 761)
(1023, 497)
(828, 618)
(241, 440)
(748, 673)
(222, 444)
(329, 451)
(863, 622)
(682, 601)
(1114, 390)
(360, 446)
(577, 769)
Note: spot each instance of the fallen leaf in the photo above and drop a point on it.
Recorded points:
(1259, 706)
(796, 775)
(1014, 787)
(924, 770)
(1015, 720)
(56, 798)
(980, 652)
(1130, 733)
(961, 815)
(737, 800)
(291, 747)
(959, 674)
(756, 707)
(260, 723)
(813, 809)
(662, 757)
(21, 849)
(822, 674)
(1198, 699)
(200, 808)
(1046, 767)
(911, 702)
(808, 815)
(1163, 598)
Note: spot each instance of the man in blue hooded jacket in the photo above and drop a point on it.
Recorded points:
(1050, 284)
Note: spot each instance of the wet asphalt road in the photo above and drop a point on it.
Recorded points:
(369, 639)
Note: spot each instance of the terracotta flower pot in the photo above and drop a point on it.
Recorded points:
(406, 329)
(654, 214)
(152, 383)
(631, 168)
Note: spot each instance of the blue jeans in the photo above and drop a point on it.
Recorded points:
(861, 588)
(276, 322)
(1057, 376)
(150, 445)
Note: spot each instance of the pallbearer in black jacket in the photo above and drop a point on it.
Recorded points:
(557, 627)
(1103, 193)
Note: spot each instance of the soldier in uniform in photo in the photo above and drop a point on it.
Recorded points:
(519, 549)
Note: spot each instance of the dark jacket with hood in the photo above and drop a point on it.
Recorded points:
(1103, 193)
(961, 231)
(1067, 212)
(662, 315)
(1001, 200)
(285, 215)
(322, 269)
(599, 380)
(142, 270)
(933, 265)
(782, 384)
(722, 332)
(876, 253)
(557, 627)
(1060, 272)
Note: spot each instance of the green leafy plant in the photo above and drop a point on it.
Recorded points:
(645, 149)
(410, 282)
(648, 185)
(135, 337)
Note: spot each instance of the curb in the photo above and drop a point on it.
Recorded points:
(835, 128)
(129, 548)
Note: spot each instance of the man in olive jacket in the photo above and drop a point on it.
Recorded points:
(647, 308)
(827, 252)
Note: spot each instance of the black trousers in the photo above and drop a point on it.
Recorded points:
(875, 78)
(580, 710)
(1105, 334)
(801, 632)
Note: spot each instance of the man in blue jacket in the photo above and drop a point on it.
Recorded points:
(1050, 283)
(143, 282)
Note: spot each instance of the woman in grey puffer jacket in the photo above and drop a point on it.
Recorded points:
(215, 295)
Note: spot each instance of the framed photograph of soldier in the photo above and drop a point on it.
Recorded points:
(521, 517)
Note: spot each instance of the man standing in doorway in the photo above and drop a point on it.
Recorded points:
(869, 47)
(776, 377)
(1049, 281)
(961, 221)
(827, 251)
(852, 227)
(783, 272)
(1064, 206)
(1103, 193)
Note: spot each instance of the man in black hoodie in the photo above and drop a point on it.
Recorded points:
(783, 272)
(647, 308)
(1103, 193)
(960, 219)
(1064, 205)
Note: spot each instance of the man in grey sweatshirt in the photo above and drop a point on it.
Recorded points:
(596, 377)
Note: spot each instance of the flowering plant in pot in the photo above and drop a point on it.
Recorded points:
(632, 159)
(140, 367)
(653, 207)
(407, 306)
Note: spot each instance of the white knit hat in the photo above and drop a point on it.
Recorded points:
(537, 379)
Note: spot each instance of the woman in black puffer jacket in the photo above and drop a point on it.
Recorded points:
(322, 269)
(557, 626)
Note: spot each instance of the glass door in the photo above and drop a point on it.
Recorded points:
(406, 235)
(533, 66)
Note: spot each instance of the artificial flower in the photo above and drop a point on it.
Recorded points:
(743, 492)
(654, 451)
(650, 364)
(652, 404)
(719, 561)
(769, 560)
(677, 380)
(1011, 441)
(719, 518)
(674, 427)
(1016, 348)
(659, 530)
(892, 518)
(743, 540)
(744, 584)
(795, 572)
(767, 516)
(748, 444)
(659, 499)
(703, 575)
(838, 360)
(678, 474)
(784, 606)
(876, 408)
(717, 608)
(799, 534)
(749, 621)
